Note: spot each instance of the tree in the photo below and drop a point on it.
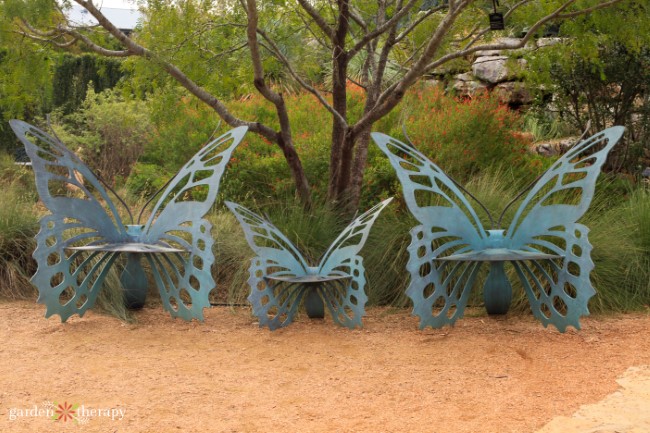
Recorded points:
(601, 76)
(414, 37)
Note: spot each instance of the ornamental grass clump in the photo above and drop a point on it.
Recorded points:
(18, 226)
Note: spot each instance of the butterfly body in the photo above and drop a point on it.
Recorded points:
(313, 302)
(281, 279)
(83, 235)
(548, 249)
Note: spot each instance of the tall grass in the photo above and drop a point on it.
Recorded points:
(620, 235)
(619, 232)
(18, 225)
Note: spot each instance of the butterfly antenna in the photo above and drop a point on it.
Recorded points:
(529, 186)
(517, 197)
(152, 197)
(169, 181)
(99, 178)
(462, 188)
(215, 131)
(584, 133)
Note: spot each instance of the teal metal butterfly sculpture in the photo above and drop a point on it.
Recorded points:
(83, 235)
(545, 244)
(280, 277)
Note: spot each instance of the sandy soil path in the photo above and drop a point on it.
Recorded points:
(227, 375)
(624, 411)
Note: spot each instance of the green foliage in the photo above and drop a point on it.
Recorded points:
(25, 86)
(213, 54)
(464, 136)
(146, 179)
(600, 73)
(73, 74)
(612, 92)
(109, 133)
(182, 126)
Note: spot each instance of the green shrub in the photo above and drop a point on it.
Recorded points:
(109, 133)
(146, 179)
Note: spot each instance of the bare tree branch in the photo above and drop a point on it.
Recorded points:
(381, 29)
(588, 10)
(283, 138)
(394, 93)
(416, 23)
(317, 38)
(318, 18)
(484, 31)
(278, 54)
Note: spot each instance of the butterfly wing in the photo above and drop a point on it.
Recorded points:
(346, 298)
(449, 225)
(546, 221)
(68, 282)
(273, 303)
(177, 219)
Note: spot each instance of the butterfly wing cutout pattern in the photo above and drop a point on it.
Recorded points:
(276, 257)
(339, 278)
(558, 290)
(72, 260)
(185, 279)
(547, 221)
(448, 225)
(346, 301)
(68, 282)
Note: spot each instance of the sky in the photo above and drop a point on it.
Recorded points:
(128, 4)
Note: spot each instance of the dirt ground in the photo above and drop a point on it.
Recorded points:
(228, 375)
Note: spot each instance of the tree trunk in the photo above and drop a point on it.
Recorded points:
(358, 169)
(339, 96)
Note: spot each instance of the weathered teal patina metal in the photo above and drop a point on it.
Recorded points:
(83, 236)
(548, 249)
(280, 277)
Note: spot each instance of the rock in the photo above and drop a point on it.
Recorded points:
(547, 42)
(468, 88)
(554, 147)
(495, 70)
(467, 76)
(491, 53)
(513, 93)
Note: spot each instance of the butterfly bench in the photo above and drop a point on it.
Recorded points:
(83, 235)
(545, 244)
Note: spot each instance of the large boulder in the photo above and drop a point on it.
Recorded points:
(495, 69)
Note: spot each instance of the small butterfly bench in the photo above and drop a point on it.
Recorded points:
(545, 244)
(281, 279)
(83, 235)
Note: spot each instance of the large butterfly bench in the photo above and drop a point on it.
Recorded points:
(84, 235)
(547, 247)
